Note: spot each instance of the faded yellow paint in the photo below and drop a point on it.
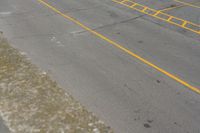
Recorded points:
(187, 4)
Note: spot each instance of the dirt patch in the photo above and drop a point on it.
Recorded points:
(31, 102)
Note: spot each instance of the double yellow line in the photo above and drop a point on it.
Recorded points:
(160, 15)
(122, 48)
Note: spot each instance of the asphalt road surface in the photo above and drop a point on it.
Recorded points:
(128, 94)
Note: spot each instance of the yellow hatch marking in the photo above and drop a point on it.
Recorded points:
(161, 15)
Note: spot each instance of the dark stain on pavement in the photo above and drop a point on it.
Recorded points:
(146, 125)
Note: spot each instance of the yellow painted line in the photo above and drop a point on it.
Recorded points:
(195, 89)
(187, 24)
(187, 4)
(171, 8)
(182, 5)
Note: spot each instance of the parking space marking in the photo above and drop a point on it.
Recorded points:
(161, 15)
(187, 4)
(117, 45)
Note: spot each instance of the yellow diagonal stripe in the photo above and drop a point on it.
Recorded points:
(179, 80)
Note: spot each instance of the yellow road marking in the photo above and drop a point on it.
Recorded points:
(187, 4)
(122, 48)
(182, 5)
(155, 13)
(171, 8)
